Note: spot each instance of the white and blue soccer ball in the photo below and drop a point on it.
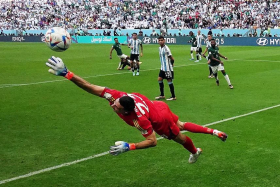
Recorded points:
(58, 39)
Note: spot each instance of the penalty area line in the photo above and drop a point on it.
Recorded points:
(93, 76)
(105, 153)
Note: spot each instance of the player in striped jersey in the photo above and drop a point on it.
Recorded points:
(135, 44)
(166, 69)
(208, 45)
(199, 39)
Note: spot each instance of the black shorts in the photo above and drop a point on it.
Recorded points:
(166, 74)
(134, 57)
(199, 49)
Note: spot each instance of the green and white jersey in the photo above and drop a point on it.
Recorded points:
(193, 41)
(117, 47)
(215, 53)
(136, 46)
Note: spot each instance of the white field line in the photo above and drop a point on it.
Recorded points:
(44, 82)
(105, 153)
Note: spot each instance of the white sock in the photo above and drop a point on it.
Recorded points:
(120, 65)
(192, 55)
(227, 78)
(199, 57)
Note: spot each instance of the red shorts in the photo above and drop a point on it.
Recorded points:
(166, 127)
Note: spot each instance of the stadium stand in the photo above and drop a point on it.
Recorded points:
(82, 15)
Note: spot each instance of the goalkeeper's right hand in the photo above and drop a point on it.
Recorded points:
(58, 68)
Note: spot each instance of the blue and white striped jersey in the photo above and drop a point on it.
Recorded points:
(199, 39)
(164, 53)
(136, 46)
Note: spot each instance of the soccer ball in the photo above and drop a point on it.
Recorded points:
(58, 39)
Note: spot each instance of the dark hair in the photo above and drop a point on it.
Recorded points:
(160, 37)
(115, 38)
(127, 103)
(134, 33)
(212, 39)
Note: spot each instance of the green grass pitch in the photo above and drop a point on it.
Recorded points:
(46, 120)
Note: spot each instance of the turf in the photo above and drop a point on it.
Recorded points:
(45, 124)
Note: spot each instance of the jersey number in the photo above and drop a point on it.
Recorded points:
(141, 106)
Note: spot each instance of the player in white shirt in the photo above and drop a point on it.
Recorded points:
(199, 39)
(166, 69)
(135, 44)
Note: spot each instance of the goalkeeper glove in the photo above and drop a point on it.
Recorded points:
(58, 68)
(121, 147)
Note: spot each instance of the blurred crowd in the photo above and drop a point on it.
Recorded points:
(136, 14)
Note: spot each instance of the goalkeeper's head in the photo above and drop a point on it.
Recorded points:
(127, 103)
(124, 105)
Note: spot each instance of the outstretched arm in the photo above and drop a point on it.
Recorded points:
(58, 68)
(121, 146)
(222, 56)
(90, 88)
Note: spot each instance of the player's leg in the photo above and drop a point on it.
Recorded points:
(132, 64)
(123, 63)
(192, 54)
(227, 78)
(171, 87)
(194, 128)
(197, 55)
(215, 73)
(137, 65)
(188, 144)
(119, 66)
(210, 72)
(199, 52)
(161, 85)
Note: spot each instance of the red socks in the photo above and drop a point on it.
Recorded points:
(197, 128)
(189, 145)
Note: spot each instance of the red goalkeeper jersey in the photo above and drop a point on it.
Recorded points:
(147, 116)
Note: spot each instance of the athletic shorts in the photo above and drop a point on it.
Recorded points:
(193, 48)
(134, 57)
(166, 128)
(217, 68)
(166, 74)
(122, 56)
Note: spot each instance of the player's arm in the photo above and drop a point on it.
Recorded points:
(90, 88)
(212, 58)
(121, 146)
(203, 54)
(141, 47)
(150, 141)
(58, 68)
(111, 52)
(171, 59)
(223, 56)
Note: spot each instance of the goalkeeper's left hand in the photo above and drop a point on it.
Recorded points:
(57, 66)
(121, 147)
